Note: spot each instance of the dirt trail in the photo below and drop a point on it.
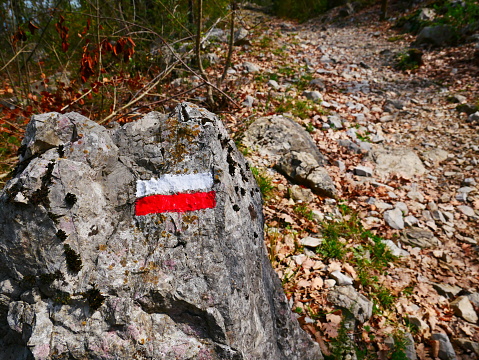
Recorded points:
(352, 65)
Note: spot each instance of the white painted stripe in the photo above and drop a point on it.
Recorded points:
(173, 184)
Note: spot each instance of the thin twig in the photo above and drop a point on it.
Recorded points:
(178, 58)
(76, 100)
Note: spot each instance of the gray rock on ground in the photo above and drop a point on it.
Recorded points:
(275, 136)
(439, 35)
(446, 351)
(397, 160)
(462, 307)
(394, 218)
(83, 276)
(302, 168)
(285, 143)
(348, 298)
(422, 238)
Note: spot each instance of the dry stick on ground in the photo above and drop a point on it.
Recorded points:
(198, 52)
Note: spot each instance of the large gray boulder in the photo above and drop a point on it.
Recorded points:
(439, 35)
(275, 136)
(139, 242)
(284, 144)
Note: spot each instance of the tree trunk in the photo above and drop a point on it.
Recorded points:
(384, 9)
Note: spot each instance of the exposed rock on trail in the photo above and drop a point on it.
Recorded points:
(100, 259)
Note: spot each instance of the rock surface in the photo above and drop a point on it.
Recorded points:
(83, 276)
(302, 168)
(397, 160)
(348, 298)
(275, 136)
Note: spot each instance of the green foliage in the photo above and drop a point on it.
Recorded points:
(409, 60)
(340, 345)
(310, 127)
(265, 183)
(301, 10)
(332, 248)
(304, 211)
(455, 14)
(347, 239)
(300, 108)
(399, 351)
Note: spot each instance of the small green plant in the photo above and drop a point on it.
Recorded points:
(299, 108)
(409, 60)
(279, 51)
(310, 127)
(265, 42)
(304, 81)
(298, 310)
(265, 183)
(340, 345)
(332, 248)
(396, 38)
(399, 350)
(304, 211)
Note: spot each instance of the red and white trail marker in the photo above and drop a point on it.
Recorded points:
(175, 193)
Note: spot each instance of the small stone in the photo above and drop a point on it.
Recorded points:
(361, 170)
(318, 83)
(474, 298)
(299, 193)
(446, 290)
(335, 122)
(340, 278)
(416, 196)
(394, 219)
(431, 206)
(469, 182)
(409, 347)
(438, 216)
(313, 95)
(381, 205)
(458, 99)
(418, 322)
(403, 207)
(317, 215)
(248, 101)
(329, 283)
(463, 308)
(341, 165)
(410, 221)
(347, 297)
(395, 250)
(250, 67)
(311, 241)
(468, 345)
(473, 117)
(365, 146)
(445, 198)
(274, 84)
(386, 118)
(467, 210)
(446, 351)
(426, 214)
(422, 238)
(378, 139)
(351, 146)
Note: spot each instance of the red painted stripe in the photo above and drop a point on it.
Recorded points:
(175, 203)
